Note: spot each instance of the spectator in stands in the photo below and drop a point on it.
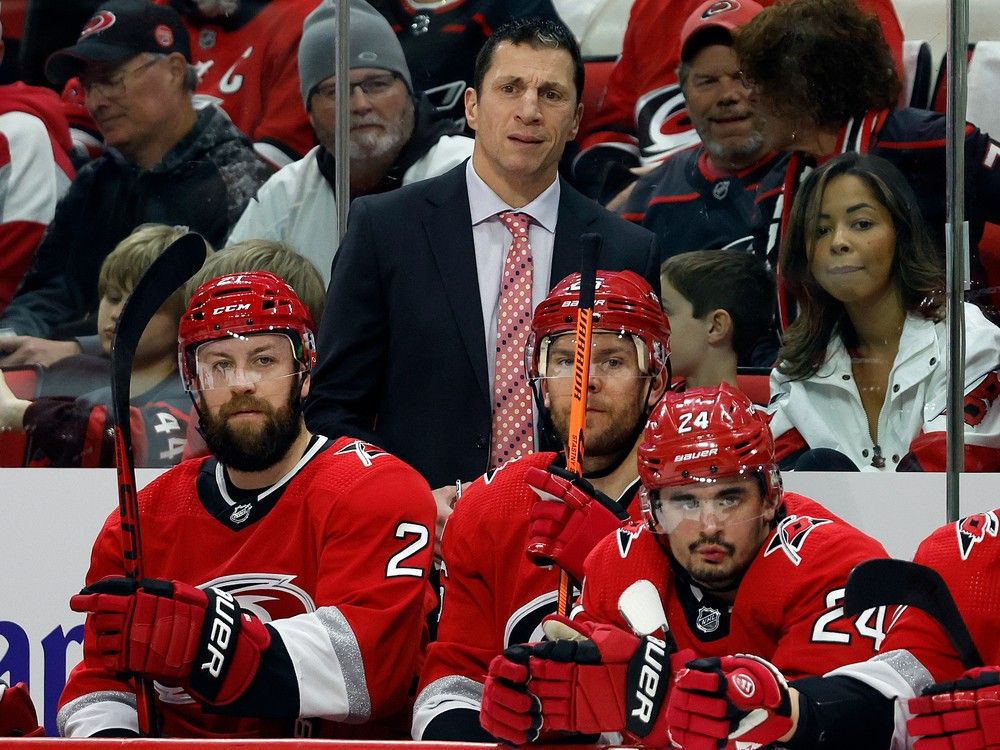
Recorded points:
(839, 97)
(396, 136)
(35, 171)
(864, 367)
(166, 163)
(244, 52)
(73, 432)
(719, 304)
(642, 116)
(704, 196)
(441, 39)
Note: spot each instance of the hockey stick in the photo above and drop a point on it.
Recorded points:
(875, 583)
(174, 266)
(590, 249)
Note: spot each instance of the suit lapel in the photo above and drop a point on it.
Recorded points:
(576, 213)
(448, 226)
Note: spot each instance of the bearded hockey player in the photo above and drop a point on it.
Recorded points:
(737, 565)
(493, 594)
(888, 701)
(287, 573)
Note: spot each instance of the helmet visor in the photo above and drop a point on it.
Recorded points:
(715, 502)
(238, 361)
(612, 355)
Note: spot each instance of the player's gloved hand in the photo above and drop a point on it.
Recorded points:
(740, 697)
(963, 714)
(509, 712)
(568, 519)
(17, 712)
(175, 633)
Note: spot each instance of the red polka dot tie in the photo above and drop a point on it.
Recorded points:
(513, 431)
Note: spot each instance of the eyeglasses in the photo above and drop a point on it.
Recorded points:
(112, 86)
(374, 87)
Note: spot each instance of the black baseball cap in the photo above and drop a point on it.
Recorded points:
(119, 30)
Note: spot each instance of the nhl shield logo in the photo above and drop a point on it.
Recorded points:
(721, 190)
(708, 619)
(206, 38)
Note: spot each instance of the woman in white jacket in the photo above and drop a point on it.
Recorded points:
(863, 369)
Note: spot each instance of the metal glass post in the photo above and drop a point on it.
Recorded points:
(956, 243)
(342, 138)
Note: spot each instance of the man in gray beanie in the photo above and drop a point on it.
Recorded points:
(396, 136)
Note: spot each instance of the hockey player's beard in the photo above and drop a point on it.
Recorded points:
(248, 447)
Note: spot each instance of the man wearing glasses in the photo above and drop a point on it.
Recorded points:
(397, 137)
(166, 163)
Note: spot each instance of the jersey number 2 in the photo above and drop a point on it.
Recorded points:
(395, 567)
(834, 611)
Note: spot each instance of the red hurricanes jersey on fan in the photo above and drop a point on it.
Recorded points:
(334, 558)
(254, 70)
(789, 606)
(967, 555)
(493, 596)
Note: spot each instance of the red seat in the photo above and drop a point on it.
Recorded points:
(755, 383)
(24, 382)
(595, 82)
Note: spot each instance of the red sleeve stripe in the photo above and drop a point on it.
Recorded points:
(674, 198)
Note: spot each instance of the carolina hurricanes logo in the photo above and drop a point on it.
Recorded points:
(973, 529)
(625, 536)
(791, 535)
(365, 452)
(266, 596)
(105, 19)
(723, 6)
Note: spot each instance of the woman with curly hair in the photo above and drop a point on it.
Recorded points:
(824, 79)
(864, 368)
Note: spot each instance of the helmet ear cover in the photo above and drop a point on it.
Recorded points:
(241, 305)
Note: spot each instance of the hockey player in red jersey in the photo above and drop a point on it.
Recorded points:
(891, 700)
(310, 556)
(493, 594)
(737, 565)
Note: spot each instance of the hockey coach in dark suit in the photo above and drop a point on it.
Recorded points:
(433, 286)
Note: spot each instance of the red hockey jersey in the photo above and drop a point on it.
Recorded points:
(789, 605)
(967, 555)
(492, 595)
(334, 558)
(250, 64)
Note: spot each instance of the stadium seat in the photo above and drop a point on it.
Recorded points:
(755, 383)
(917, 65)
(595, 81)
(25, 382)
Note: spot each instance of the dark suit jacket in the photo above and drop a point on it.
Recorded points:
(402, 353)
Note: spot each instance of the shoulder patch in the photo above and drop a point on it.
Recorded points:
(625, 536)
(791, 535)
(366, 452)
(975, 528)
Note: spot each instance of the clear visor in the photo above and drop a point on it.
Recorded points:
(612, 355)
(667, 508)
(243, 361)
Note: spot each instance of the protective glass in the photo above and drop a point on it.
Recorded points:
(240, 361)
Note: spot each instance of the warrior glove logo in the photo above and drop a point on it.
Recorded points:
(646, 683)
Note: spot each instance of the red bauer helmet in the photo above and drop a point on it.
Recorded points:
(703, 435)
(243, 304)
(624, 303)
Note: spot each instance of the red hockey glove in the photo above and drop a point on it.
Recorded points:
(17, 712)
(509, 712)
(959, 715)
(175, 633)
(740, 697)
(568, 520)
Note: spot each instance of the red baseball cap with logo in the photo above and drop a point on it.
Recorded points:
(714, 15)
(118, 31)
